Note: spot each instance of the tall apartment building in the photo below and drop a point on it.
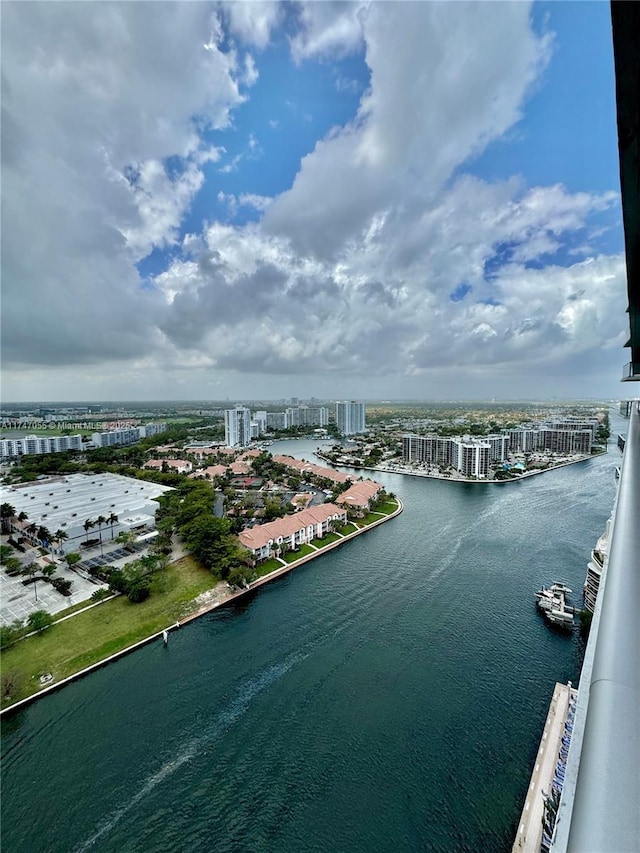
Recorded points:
(522, 439)
(555, 439)
(350, 417)
(313, 416)
(575, 424)
(473, 458)
(499, 447)
(276, 420)
(260, 419)
(470, 456)
(237, 427)
(565, 440)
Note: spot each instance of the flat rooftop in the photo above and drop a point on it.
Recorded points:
(62, 501)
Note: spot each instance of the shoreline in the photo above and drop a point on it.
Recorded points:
(202, 611)
(517, 479)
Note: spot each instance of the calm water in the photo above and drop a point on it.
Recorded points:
(386, 697)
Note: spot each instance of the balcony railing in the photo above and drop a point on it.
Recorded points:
(631, 372)
(599, 806)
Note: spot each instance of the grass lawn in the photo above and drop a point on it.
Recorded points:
(326, 540)
(349, 527)
(387, 507)
(268, 566)
(303, 551)
(73, 609)
(98, 633)
(369, 518)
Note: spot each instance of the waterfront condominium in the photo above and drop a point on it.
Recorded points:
(350, 417)
(237, 427)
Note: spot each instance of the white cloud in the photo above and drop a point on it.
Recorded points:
(347, 276)
(252, 22)
(328, 29)
(93, 93)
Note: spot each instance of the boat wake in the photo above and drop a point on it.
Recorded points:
(230, 715)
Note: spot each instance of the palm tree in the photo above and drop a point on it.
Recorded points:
(113, 518)
(31, 570)
(44, 536)
(87, 527)
(7, 511)
(100, 520)
(32, 529)
(60, 536)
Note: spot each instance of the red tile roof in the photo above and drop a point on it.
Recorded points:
(262, 534)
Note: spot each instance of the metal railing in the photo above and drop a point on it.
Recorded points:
(599, 809)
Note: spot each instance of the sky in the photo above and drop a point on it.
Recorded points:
(262, 200)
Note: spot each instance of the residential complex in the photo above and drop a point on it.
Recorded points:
(11, 448)
(33, 444)
(472, 456)
(469, 456)
(350, 417)
(291, 531)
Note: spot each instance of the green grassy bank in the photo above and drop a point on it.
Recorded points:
(95, 634)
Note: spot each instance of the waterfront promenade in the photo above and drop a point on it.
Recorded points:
(529, 833)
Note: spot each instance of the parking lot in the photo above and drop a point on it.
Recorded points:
(18, 601)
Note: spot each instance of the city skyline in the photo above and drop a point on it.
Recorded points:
(417, 201)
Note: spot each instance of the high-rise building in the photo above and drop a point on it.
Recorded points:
(350, 417)
(237, 427)
(276, 420)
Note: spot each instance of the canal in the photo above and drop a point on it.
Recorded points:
(387, 696)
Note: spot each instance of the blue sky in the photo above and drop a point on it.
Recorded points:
(345, 199)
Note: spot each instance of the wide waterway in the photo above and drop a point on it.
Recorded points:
(388, 696)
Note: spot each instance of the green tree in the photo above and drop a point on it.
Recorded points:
(8, 636)
(125, 537)
(62, 585)
(39, 621)
(72, 559)
(113, 519)
(100, 520)
(7, 512)
(60, 536)
(87, 527)
(32, 570)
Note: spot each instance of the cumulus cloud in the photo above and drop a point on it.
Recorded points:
(96, 97)
(331, 28)
(383, 258)
(386, 311)
(251, 22)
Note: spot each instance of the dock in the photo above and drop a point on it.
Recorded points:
(529, 835)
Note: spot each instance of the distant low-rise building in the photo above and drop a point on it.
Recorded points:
(360, 496)
(179, 466)
(11, 448)
(67, 502)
